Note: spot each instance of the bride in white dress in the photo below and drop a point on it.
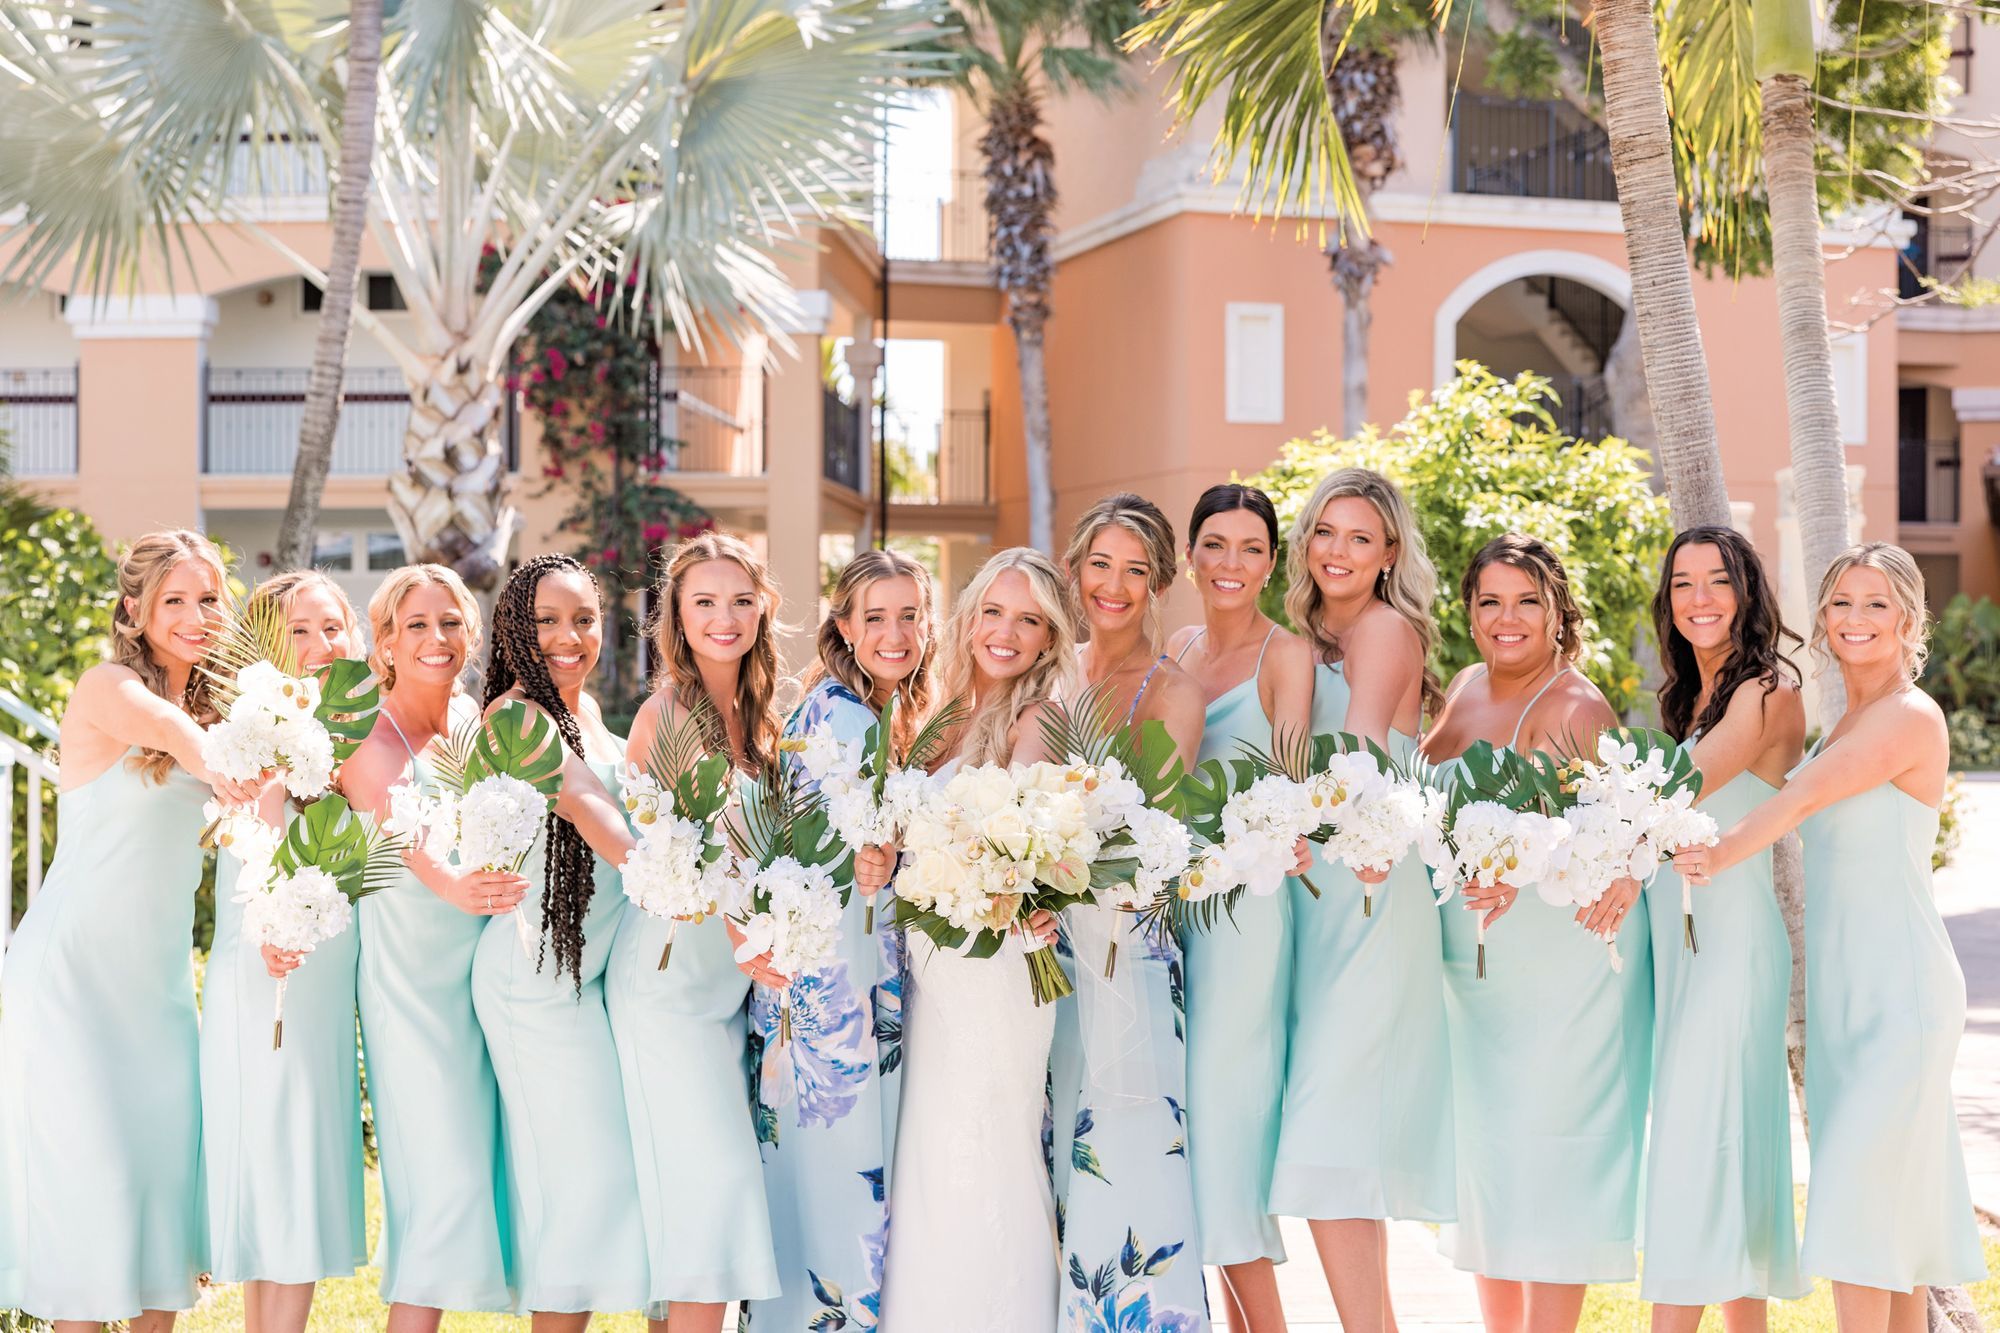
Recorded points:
(972, 1238)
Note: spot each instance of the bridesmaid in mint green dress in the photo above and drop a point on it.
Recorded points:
(538, 975)
(281, 1130)
(1551, 1050)
(100, 1115)
(1256, 677)
(445, 1242)
(1888, 1209)
(1719, 1226)
(1366, 1129)
(681, 1032)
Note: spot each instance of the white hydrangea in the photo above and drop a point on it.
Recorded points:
(272, 725)
(663, 874)
(795, 918)
(498, 818)
(1163, 848)
(296, 912)
(1261, 827)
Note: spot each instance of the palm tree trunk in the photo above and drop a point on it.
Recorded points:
(298, 529)
(1354, 270)
(1363, 92)
(1020, 200)
(448, 502)
(1642, 160)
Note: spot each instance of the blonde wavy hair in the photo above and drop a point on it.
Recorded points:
(387, 600)
(1155, 534)
(1906, 589)
(281, 588)
(757, 678)
(836, 655)
(140, 573)
(1408, 585)
(1053, 675)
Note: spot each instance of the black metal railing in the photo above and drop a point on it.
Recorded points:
(708, 419)
(1596, 318)
(840, 440)
(38, 417)
(1927, 481)
(1542, 150)
(1585, 410)
(944, 460)
(934, 215)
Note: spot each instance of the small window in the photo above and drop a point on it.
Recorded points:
(310, 296)
(1253, 357)
(334, 551)
(384, 294)
(385, 551)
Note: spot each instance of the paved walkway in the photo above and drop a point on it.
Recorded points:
(1432, 1296)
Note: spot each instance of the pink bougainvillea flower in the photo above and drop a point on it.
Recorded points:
(596, 429)
(656, 533)
(558, 363)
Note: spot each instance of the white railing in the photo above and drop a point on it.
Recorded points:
(39, 772)
(38, 417)
(253, 415)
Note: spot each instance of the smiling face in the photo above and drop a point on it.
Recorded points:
(1863, 620)
(317, 623)
(1013, 631)
(1348, 549)
(1703, 597)
(1231, 558)
(430, 639)
(569, 627)
(183, 610)
(1511, 620)
(1115, 580)
(719, 612)
(887, 632)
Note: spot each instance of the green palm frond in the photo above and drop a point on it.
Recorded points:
(453, 754)
(349, 698)
(1082, 732)
(518, 741)
(1151, 759)
(243, 633)
(343, 842)
(928, 744)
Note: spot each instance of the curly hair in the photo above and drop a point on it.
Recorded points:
(836, 655)
(1756, 635)
(140, 573)
(757, 678)
(1408, 585)
(1535, 558)
(569, 872)
(1053, 675)
(1906, 589)
(1154, 532)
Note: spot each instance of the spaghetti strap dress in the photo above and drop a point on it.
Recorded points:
(100, 1112)
(1366, 1129)
(1550, 1057)
(280, 1129)
(1238, 987)
(1118, 1124)
(573, 1208)
(445, 1242)
(1719, 1209)
(1888, 1204)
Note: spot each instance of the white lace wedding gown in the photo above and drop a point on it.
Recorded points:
(972, 1242)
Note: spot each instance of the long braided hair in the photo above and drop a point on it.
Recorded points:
(569, 877)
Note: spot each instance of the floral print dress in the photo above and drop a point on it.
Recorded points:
(825, 1103)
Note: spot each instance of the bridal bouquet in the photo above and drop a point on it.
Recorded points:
(1370, 812)
(682, 868)
(1628, 810)
(1474, 833)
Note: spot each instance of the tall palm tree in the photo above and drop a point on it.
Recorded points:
(321, 417)
(1009, 53)
(582, 140)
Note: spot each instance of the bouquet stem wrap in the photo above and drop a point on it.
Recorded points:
(278, 1016)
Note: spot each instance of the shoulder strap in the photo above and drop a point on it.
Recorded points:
(1193, 639)
(1133, 711)
(1520, 721)
(1264, 648)
(399, 735)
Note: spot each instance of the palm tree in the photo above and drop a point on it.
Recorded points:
(321, 416)
(582, 140)
(1010, 52)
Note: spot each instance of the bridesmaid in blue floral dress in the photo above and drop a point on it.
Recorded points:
(1719, 1226)
(681, 1032)
(445, 1242)
(826, 1099)
(1551, 1049)
(1124, 1192)
(281, 1130)
(100, 1116)
(1257, 679)
(1888, 1210)
(573, 1205)
(1366, 1133)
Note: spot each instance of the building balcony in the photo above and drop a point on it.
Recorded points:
(38, 419)
(840, 440)
(709, 419)
(943, 460)
(1927, 481)
(1533, 149)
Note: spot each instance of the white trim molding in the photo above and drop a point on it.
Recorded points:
(1937, 317)
(147, 315)
(1602, 274)
(1982, 404)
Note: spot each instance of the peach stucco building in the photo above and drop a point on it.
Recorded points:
(1187, 343)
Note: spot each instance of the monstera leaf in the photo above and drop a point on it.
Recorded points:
(345, 844)
(348, 701)
(518, 742)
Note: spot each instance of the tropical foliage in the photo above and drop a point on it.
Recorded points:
(1963, 675)
(1481, 456)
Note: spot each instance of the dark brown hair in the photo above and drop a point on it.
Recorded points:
(1537, 559)
(1756, 635)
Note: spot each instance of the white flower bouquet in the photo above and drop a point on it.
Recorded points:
(794, 866)
(1370, 812)
(271, 723)
(682, 868)
(1468, 838)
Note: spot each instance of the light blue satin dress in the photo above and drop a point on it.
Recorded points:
(826, 1100)
(1366, 1130)
(1238, 989)
(281, 1129)
(1888, 1204)
(100, 1112)
(1550, 1058)
(1118, 1125)
(445, 1241)
(680, 1036)
(1719, 1209)
(573, 1207)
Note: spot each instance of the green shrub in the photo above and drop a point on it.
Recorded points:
(1975, 739)
(1481, 456)
(1949, 833)
(1963, 675)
